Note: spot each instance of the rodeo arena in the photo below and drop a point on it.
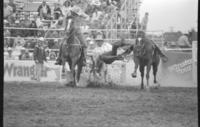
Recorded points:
(125, 76)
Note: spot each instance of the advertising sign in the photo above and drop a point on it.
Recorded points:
(15, 70)
(177, 71)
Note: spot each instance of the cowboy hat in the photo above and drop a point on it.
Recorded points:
(17, 21)
(41, 39)
(96, 2)
(5, 21)
(9, 49)
(75, 11)
(23, 49)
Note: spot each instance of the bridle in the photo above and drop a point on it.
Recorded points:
(139, 47)
(70, 33)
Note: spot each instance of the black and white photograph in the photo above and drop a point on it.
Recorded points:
(100, 63)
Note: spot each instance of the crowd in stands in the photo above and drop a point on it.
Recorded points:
(98, 11)
(48, 16)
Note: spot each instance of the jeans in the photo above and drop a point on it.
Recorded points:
(39, 69)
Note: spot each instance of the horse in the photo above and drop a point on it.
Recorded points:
(72, 51)
(147, 56)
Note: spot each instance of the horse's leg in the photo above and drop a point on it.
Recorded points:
(63, 66)
(147, 75)
(73, 71)
(155, 69)
(142, 76)
(79, 71)
(105, 73)
(136, 61)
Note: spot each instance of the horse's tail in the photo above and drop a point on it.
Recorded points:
(160, 53)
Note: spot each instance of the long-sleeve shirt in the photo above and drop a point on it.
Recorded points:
(39, 54)
(106, 47)
(44, 8)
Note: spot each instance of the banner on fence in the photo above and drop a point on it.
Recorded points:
(15, 70)
(177, 71)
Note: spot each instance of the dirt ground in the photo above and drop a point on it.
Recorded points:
(52, 105)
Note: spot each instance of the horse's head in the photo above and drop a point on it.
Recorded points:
(69, 23)
(139, 45)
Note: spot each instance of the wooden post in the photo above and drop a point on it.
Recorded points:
(194, 63)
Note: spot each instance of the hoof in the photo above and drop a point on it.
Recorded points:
(134, 75)
(70, 84)
(148, 88)
(157, 85)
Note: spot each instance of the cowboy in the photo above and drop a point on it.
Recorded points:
(144, 22)
(75, 10)
(109, 53)
(39, 57)
(44, 11)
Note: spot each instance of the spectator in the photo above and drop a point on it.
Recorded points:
(52, 55)
(57, 11)
(33, 25)
(66, 8)
(38, 22)
(192, 35)
(17, 32)
(27, 55)
(44, 11)
(19, 42)
(133, 27)
(183, 41)
(145, 22)
(39, 57)
(22, 54)
(12, 4)
(96, 14)
(51, 34)
(8, 11)
(91, 44)
(118, 19)
(6, 40)
(26, 23)
(10, 55)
